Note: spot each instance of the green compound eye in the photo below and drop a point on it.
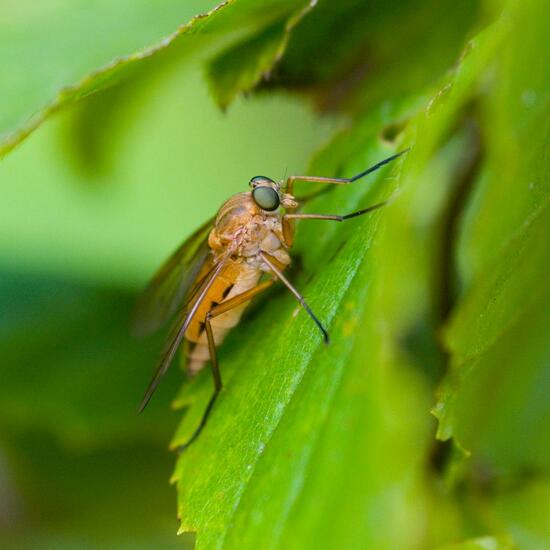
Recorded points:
(266, 198)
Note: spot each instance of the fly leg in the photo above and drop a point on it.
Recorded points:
(216, 374)
(289, 182)
(288, 186)
(272, 263)
(288, 230)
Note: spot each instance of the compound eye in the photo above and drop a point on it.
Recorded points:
(259, 180)
(266, 198)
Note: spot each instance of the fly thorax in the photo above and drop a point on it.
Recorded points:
(252, 236)
(232, 222)
(233, 219)
(281, 255)
(248, 248)
(270, 243)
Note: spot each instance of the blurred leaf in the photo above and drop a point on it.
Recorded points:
(76, 51)
(70, 368)
(354, 55)
(494, 399)
(113, 498)
(481, 543)
(76, 64)
(495, 402)
(241, 67)
(516, 103)
(524, 511)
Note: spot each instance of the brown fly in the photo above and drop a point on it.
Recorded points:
(209, 280)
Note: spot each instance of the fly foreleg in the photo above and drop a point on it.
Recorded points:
(287, 219)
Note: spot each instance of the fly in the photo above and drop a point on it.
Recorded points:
(209, 280)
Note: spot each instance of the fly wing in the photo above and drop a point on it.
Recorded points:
(172, 283)
(178, 330)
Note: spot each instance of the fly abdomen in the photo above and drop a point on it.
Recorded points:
(237, 278)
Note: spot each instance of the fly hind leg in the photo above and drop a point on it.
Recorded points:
(216, 374)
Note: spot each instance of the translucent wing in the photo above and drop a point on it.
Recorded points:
(167, 290)
(178, 330)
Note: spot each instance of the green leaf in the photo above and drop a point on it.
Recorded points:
(75, 65)
(274, 422)
(241, 67)
(493, 400)
(299, 423)
(66, 70)
(308, 445)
